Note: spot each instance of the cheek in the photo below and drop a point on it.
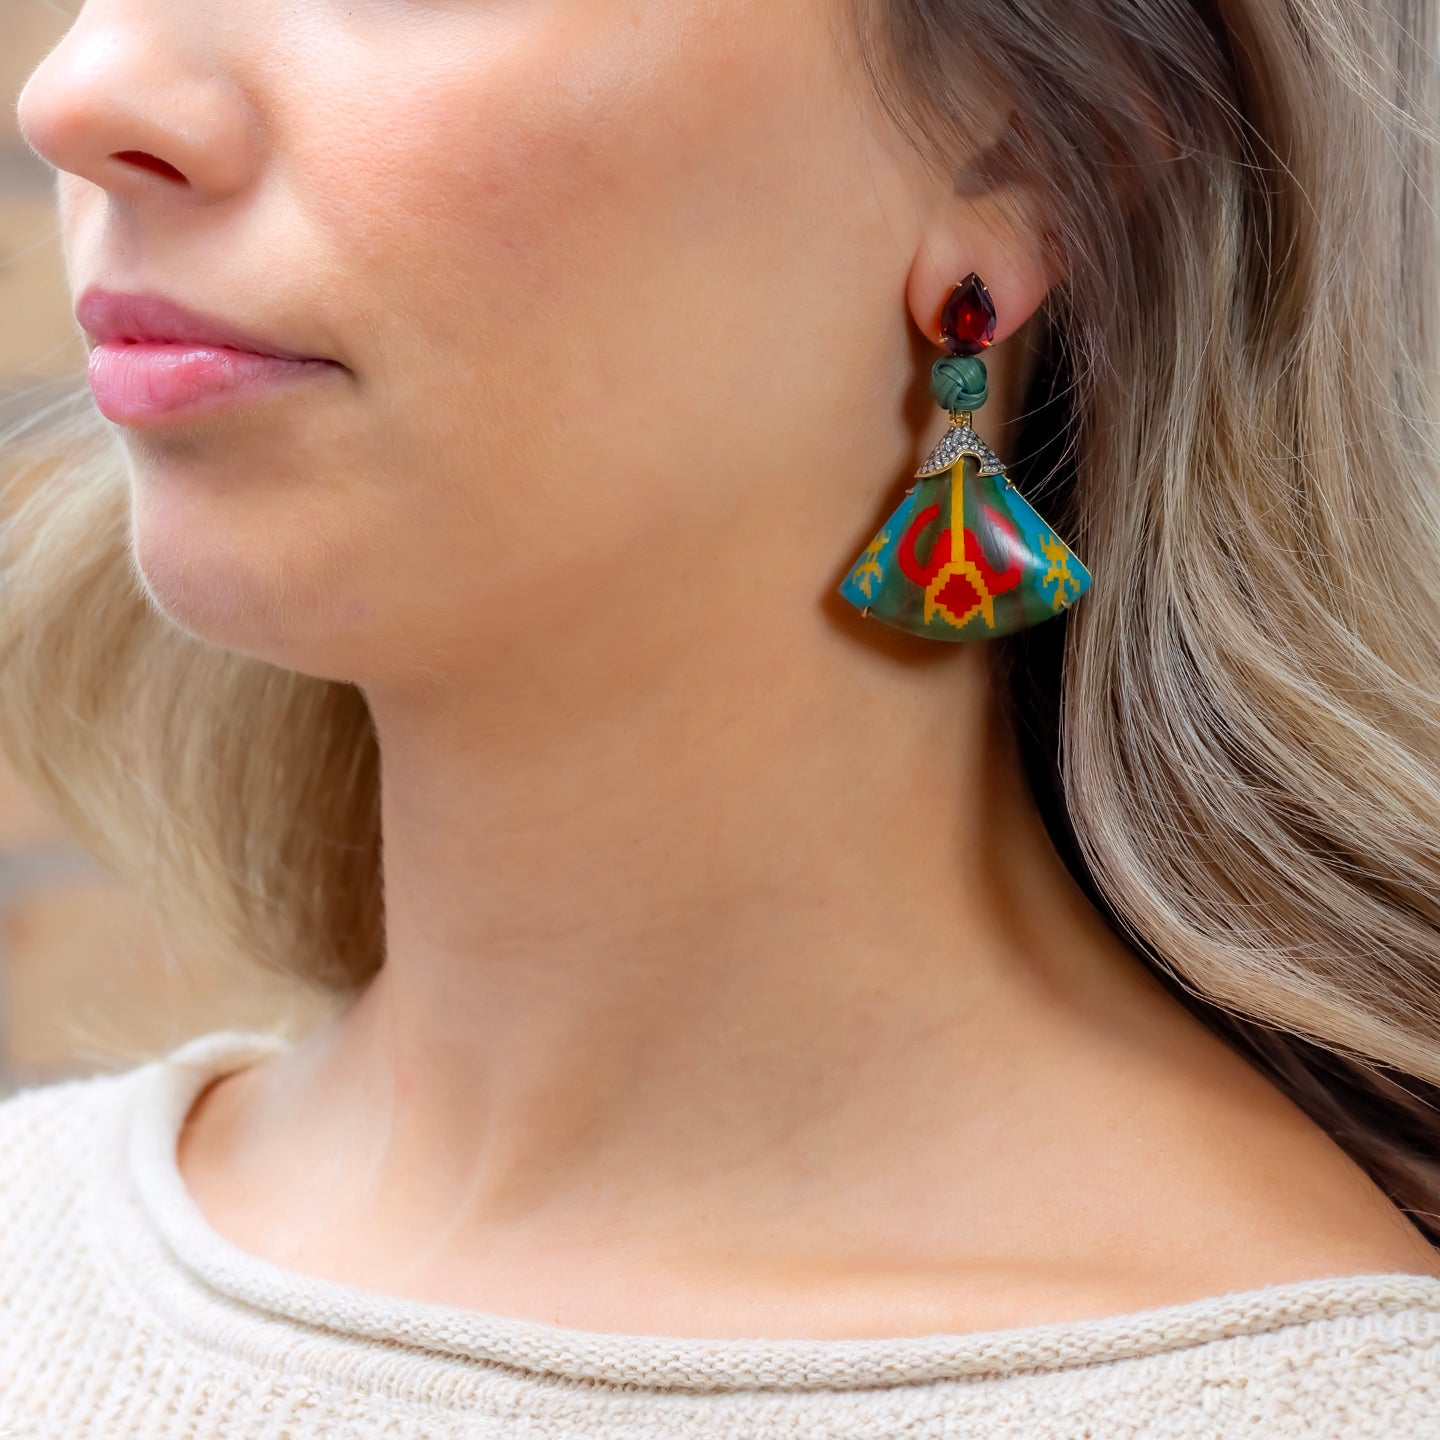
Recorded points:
(468, 190)
(556, 264)
(448, 218)
(593, 193)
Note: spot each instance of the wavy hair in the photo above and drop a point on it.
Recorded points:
(1235, 740)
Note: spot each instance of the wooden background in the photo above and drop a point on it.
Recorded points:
(86, 982)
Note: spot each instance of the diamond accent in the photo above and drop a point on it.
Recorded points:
(960, 440)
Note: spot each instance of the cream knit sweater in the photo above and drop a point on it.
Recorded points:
(123, 1316)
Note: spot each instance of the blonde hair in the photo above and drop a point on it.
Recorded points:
(1241, 374)
(1236, 405)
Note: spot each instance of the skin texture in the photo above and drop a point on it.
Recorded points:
(732, 985)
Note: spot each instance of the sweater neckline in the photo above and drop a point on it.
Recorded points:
(200, 1262)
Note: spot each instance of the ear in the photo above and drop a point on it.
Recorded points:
(998, 232)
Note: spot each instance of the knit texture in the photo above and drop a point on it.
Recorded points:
(124, 1316)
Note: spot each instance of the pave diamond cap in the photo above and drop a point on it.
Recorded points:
(960, 440)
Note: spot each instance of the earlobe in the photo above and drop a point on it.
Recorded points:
(999, 235)
(1018, 272)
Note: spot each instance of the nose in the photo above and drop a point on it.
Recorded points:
(123, 103)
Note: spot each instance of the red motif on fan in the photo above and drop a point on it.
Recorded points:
(959, 596)
(998, 581)
(922, 573)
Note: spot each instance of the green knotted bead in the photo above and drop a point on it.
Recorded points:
(958, 382)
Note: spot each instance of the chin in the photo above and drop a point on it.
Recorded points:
(258, 594)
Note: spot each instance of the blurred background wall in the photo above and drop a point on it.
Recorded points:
(86, 980)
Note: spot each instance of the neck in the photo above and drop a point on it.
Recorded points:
(749, 907)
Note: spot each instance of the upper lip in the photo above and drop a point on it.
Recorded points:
(116, 315)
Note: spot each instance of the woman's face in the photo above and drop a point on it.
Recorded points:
(617, 286)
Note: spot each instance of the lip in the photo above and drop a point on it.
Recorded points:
(156, 362)
(111, 315)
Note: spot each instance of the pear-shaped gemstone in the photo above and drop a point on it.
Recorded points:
(967, 323)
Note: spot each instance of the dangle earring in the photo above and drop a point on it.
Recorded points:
(991, 564)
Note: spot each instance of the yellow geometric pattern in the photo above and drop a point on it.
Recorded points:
(984, 601)
(1058, 554)
(869, 564)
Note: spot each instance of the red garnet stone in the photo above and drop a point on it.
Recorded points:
(967, 323)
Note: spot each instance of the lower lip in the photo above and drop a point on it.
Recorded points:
(151, 382)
